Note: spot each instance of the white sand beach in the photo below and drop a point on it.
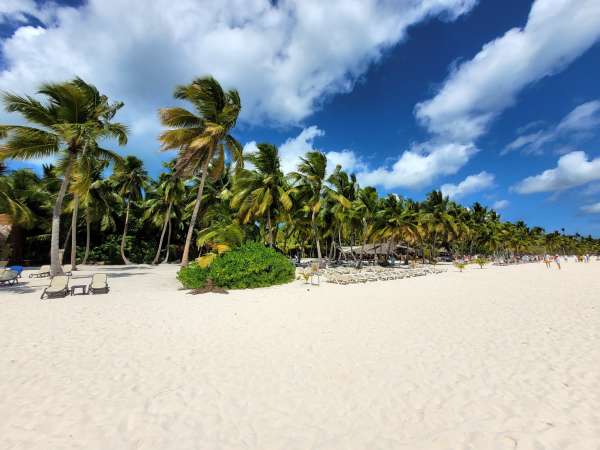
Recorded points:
(493, 358)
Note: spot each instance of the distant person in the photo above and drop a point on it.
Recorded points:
(557, 261)
(547, 261)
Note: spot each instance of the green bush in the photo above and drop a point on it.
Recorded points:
(109, 252)
(250, 266)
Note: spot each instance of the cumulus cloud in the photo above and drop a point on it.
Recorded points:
(420, 165)
(284, 57)
(294, 148)
(500, 204)
(594, 208)
(477, 91)
(471, 184)
(575, 126)
(573, 169)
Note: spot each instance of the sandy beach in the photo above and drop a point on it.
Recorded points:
(493, 358)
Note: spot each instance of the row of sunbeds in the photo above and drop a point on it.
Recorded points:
(45, 271)
(59, 286)
(9, 276)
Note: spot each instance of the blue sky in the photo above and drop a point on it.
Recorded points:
(497, 102)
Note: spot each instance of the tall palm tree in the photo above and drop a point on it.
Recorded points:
(96, 197)
(437, 219)
(68, 125)
(130, 178)
(341, 193)
(201, 137)
(263, 190)
(365, 208)
(310, 180)
(169, 191)
(398, 220)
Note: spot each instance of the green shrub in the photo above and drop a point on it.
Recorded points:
(460, 265)
(250, 266)
(480, 262)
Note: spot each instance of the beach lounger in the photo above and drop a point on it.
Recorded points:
(59, 287)
(43, 272)
(17, 269)
(8, 277)
(99, 284)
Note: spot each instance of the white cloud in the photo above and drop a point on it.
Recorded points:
(284, 57)
(573, 169)
(294, 148)
(477, 91)
(17, 10)
(584, 118)
(575, 126)
(500, 204)
(594, 208)
(420, 165)
(471, 184)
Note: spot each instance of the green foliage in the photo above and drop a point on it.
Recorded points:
(460, 265)
(250, 266)
(480, 262)
(108, 252)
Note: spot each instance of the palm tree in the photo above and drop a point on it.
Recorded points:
(310, 179)
(259, 192)
(96, 197)
(201, 137)
(130, 178)
(169, 191)
(69, 124)
(365, 208)
(437, 219)
(398, 220)
(341, 193)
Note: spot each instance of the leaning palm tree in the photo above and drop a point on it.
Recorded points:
(310, 179)
(68, 125)
(129, 179)
(263, 190)
(169, 191)
(96, 197)
(201, 137)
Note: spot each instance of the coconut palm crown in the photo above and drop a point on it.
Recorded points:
(201, 137)
(67, 125)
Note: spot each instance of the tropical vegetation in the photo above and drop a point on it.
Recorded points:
(212, 203)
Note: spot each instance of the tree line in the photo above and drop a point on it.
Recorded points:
(212, 196)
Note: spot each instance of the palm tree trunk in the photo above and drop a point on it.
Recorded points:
(362, 251)
(74, 232)
(341, 254)
(87, 237)
(190, 232)
(314, 226)
(270, 227)
(162, 234)
(55, 262)
(125, 260)
(168, 243)
(67, 240)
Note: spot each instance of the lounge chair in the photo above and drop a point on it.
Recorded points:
(67, 269)
(8, 277)
(43, 272)
(99, 284)
(17, 269)
(59, 287)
